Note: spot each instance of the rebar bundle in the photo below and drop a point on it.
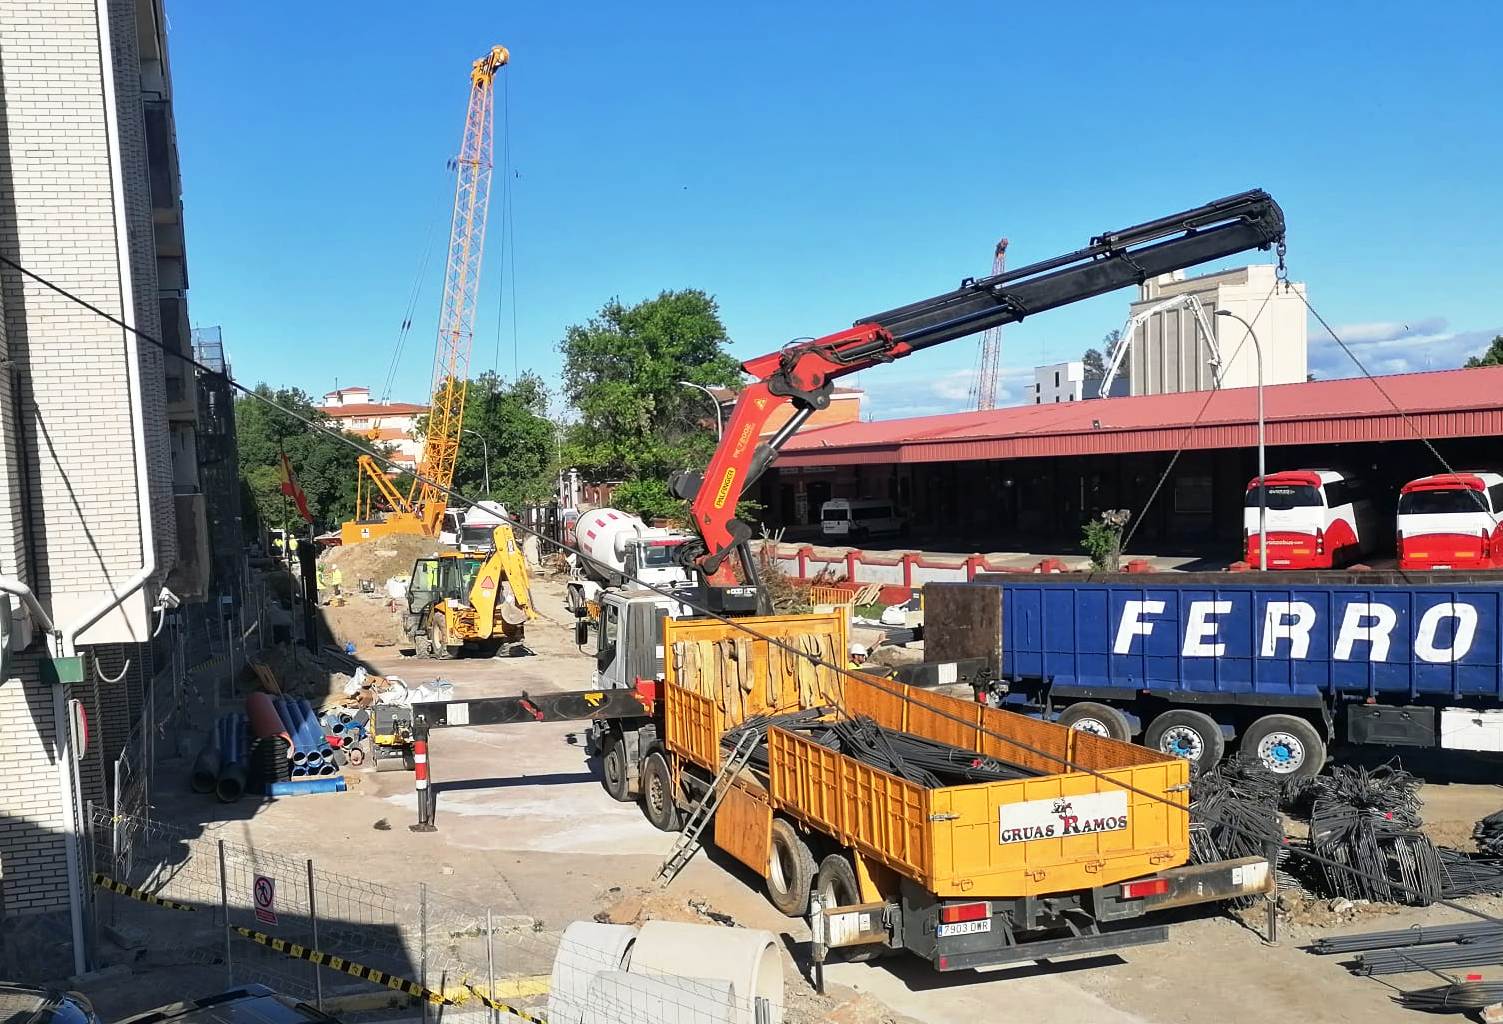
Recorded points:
(1234, 812)
(1489, 834)
(1464, 995)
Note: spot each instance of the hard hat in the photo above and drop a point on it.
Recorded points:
(858, 650)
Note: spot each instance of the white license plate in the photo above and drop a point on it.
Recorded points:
(965, 928)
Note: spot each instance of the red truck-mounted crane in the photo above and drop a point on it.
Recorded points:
(803, 374)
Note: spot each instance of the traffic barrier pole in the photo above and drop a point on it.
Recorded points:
(420, 781)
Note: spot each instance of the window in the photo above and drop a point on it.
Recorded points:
(1037, 400)
(659, 556)
(1437, 503)
(1282, 497)
(1056, 398)
(1037, 387)
(1072, 396)
(610, 625)
(1056, 378)
(874, 512)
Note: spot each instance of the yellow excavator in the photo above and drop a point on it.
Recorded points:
(462, 601)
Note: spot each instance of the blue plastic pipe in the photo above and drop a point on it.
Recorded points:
(330, 785)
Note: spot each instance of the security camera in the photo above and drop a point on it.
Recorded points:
(166, 599)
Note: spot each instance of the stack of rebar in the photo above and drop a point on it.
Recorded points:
(920, 760)
(1489, 834)
(1432, 948)
(1234, 812)
(1364, 828)
(1455, 998)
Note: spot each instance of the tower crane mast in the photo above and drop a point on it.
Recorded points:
(421, 509)
(989, 349)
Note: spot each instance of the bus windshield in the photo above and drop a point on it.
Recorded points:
(1282, 497)
(1437, 503)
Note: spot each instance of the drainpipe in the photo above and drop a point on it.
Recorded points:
(67, 787)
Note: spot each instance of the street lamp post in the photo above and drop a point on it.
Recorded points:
(485, 453)
(1262, 464)
(719, 422)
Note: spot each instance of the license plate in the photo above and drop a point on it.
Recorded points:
(965, 928)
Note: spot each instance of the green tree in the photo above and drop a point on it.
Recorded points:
(324, 466)
(520, 438)
(1094, 363)
(1492, 357)
(621, 373)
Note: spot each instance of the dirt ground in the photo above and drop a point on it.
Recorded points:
(524, 824)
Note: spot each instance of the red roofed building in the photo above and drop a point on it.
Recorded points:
(1037, 471)
(393, 423)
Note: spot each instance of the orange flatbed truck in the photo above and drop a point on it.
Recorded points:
(966, 876)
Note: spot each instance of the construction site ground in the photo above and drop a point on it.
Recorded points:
(524, 826)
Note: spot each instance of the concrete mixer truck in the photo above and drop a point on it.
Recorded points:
(620, 548)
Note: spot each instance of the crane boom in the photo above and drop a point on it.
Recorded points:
(803, 373)
(989, 354)
(1134, 321)
(422, 509)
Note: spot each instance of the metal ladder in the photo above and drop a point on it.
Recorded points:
(688, 840)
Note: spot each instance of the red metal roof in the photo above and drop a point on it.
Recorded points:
(1445, 403)
(343, 412)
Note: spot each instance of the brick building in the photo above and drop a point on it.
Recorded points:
(103, 505)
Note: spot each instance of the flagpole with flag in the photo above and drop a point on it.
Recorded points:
(293, 491)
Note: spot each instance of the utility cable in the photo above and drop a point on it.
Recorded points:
(412, 299)
(897, 691)
(1190, 430)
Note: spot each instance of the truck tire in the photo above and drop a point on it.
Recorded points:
(613, 774)
(1098, 719)
(1289, 747)
(790, 870)
(1192, 735)
(837, 887)
(657, 793)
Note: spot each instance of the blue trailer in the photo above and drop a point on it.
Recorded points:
(1193, 663)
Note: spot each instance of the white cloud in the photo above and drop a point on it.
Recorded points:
(1394, 347)
(893, 394)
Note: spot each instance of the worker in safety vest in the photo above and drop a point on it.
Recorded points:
(336, 579)
(858, 656)
(323, 583)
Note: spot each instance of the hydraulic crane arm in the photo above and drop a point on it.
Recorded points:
(802, 374)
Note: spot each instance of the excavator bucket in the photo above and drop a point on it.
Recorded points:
(506, 565)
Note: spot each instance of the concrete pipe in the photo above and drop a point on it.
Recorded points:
(616, 997)
(586, 949)
(746, 957)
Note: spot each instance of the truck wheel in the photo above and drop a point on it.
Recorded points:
(657, 793)
(613, 774)
(438, 640)
(790, 870)
(1192, 735)
(837, 887)
(1097, 719)
(1287, 746)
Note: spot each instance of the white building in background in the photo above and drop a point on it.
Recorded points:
(392, 423)
(1059, 382)
(1170, 353)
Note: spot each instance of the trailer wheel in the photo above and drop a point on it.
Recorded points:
(837, 887)
(1288, 747)
(657, 793)
(790, 870)
(1192, 735)
(1097, 719)
(613, 775)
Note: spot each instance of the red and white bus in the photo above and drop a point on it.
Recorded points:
(1317, 519)
(1451, 521)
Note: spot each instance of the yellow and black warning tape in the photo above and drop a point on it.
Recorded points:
(106, 882)
(350, 967)
(504, 1008)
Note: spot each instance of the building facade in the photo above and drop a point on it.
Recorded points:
(1171, 354)
(1059, 382)
(392, 423)
(103, 506)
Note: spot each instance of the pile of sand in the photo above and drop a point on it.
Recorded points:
(379, 560)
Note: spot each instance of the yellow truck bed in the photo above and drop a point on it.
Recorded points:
(1063, 830)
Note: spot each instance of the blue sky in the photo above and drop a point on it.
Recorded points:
(812, 163)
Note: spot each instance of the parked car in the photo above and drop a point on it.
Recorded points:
(26, 1004)
(1451, 521)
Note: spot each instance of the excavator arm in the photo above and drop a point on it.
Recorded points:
(802, 374)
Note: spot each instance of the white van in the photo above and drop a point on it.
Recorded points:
(858, 518)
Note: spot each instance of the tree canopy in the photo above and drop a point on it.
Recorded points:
(324, 466)
(1492, 357)
(621, 374)
(520, 438)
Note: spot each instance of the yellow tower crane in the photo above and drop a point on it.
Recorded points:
(380, 508)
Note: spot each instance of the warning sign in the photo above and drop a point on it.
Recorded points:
(266, 899)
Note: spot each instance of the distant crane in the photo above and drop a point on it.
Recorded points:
(989, 350)
(421, 509)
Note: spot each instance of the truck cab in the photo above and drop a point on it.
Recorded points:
(629, 635)
(472, 529)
